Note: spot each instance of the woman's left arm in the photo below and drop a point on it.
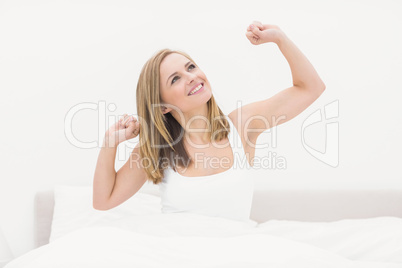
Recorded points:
(303, 73)
(288, 103)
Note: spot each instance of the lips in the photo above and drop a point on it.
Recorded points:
(188, 94)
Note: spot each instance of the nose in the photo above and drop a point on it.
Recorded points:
(191, 78)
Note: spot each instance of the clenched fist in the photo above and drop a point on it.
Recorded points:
(259, 33)
(126, 128)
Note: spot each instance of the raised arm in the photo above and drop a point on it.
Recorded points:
(307, 86)
(111, 188)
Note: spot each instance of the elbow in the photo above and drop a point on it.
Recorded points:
(100, 206)
(319, 85)
(323, 86)
(320, 89)
(316, 88)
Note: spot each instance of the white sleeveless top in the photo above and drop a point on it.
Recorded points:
(227, 194)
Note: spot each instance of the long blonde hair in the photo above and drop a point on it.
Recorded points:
(158, 130)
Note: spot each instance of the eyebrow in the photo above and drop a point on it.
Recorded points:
(176, 72)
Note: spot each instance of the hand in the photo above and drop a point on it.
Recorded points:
(126, 128)
(259, 33)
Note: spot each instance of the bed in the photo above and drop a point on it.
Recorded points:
(309, 228)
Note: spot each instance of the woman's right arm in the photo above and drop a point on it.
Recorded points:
(110, 189)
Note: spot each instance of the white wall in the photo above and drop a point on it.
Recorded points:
(56, 55)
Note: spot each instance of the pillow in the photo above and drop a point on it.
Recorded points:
(73, 209)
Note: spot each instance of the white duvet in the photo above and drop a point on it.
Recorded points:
(190, 240)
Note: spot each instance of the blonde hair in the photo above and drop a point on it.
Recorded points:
(158, 130)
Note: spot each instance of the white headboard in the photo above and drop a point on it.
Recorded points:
(296, 205)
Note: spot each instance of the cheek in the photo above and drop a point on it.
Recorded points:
(204, 77)
(174, 94)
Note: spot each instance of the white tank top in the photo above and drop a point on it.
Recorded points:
(227, 194)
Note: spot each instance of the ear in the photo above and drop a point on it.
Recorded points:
(166, 110)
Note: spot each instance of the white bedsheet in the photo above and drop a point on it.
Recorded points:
(190, 240)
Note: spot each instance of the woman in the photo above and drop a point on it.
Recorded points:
(182, 128)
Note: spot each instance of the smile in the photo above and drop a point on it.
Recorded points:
(197, 89)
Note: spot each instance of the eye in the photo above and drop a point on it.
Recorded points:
(173, 80)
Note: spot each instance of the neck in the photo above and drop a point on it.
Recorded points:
(195, 124)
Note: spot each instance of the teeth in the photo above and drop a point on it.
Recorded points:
(196, 89)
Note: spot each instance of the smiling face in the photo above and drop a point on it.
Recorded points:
(179, 76)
